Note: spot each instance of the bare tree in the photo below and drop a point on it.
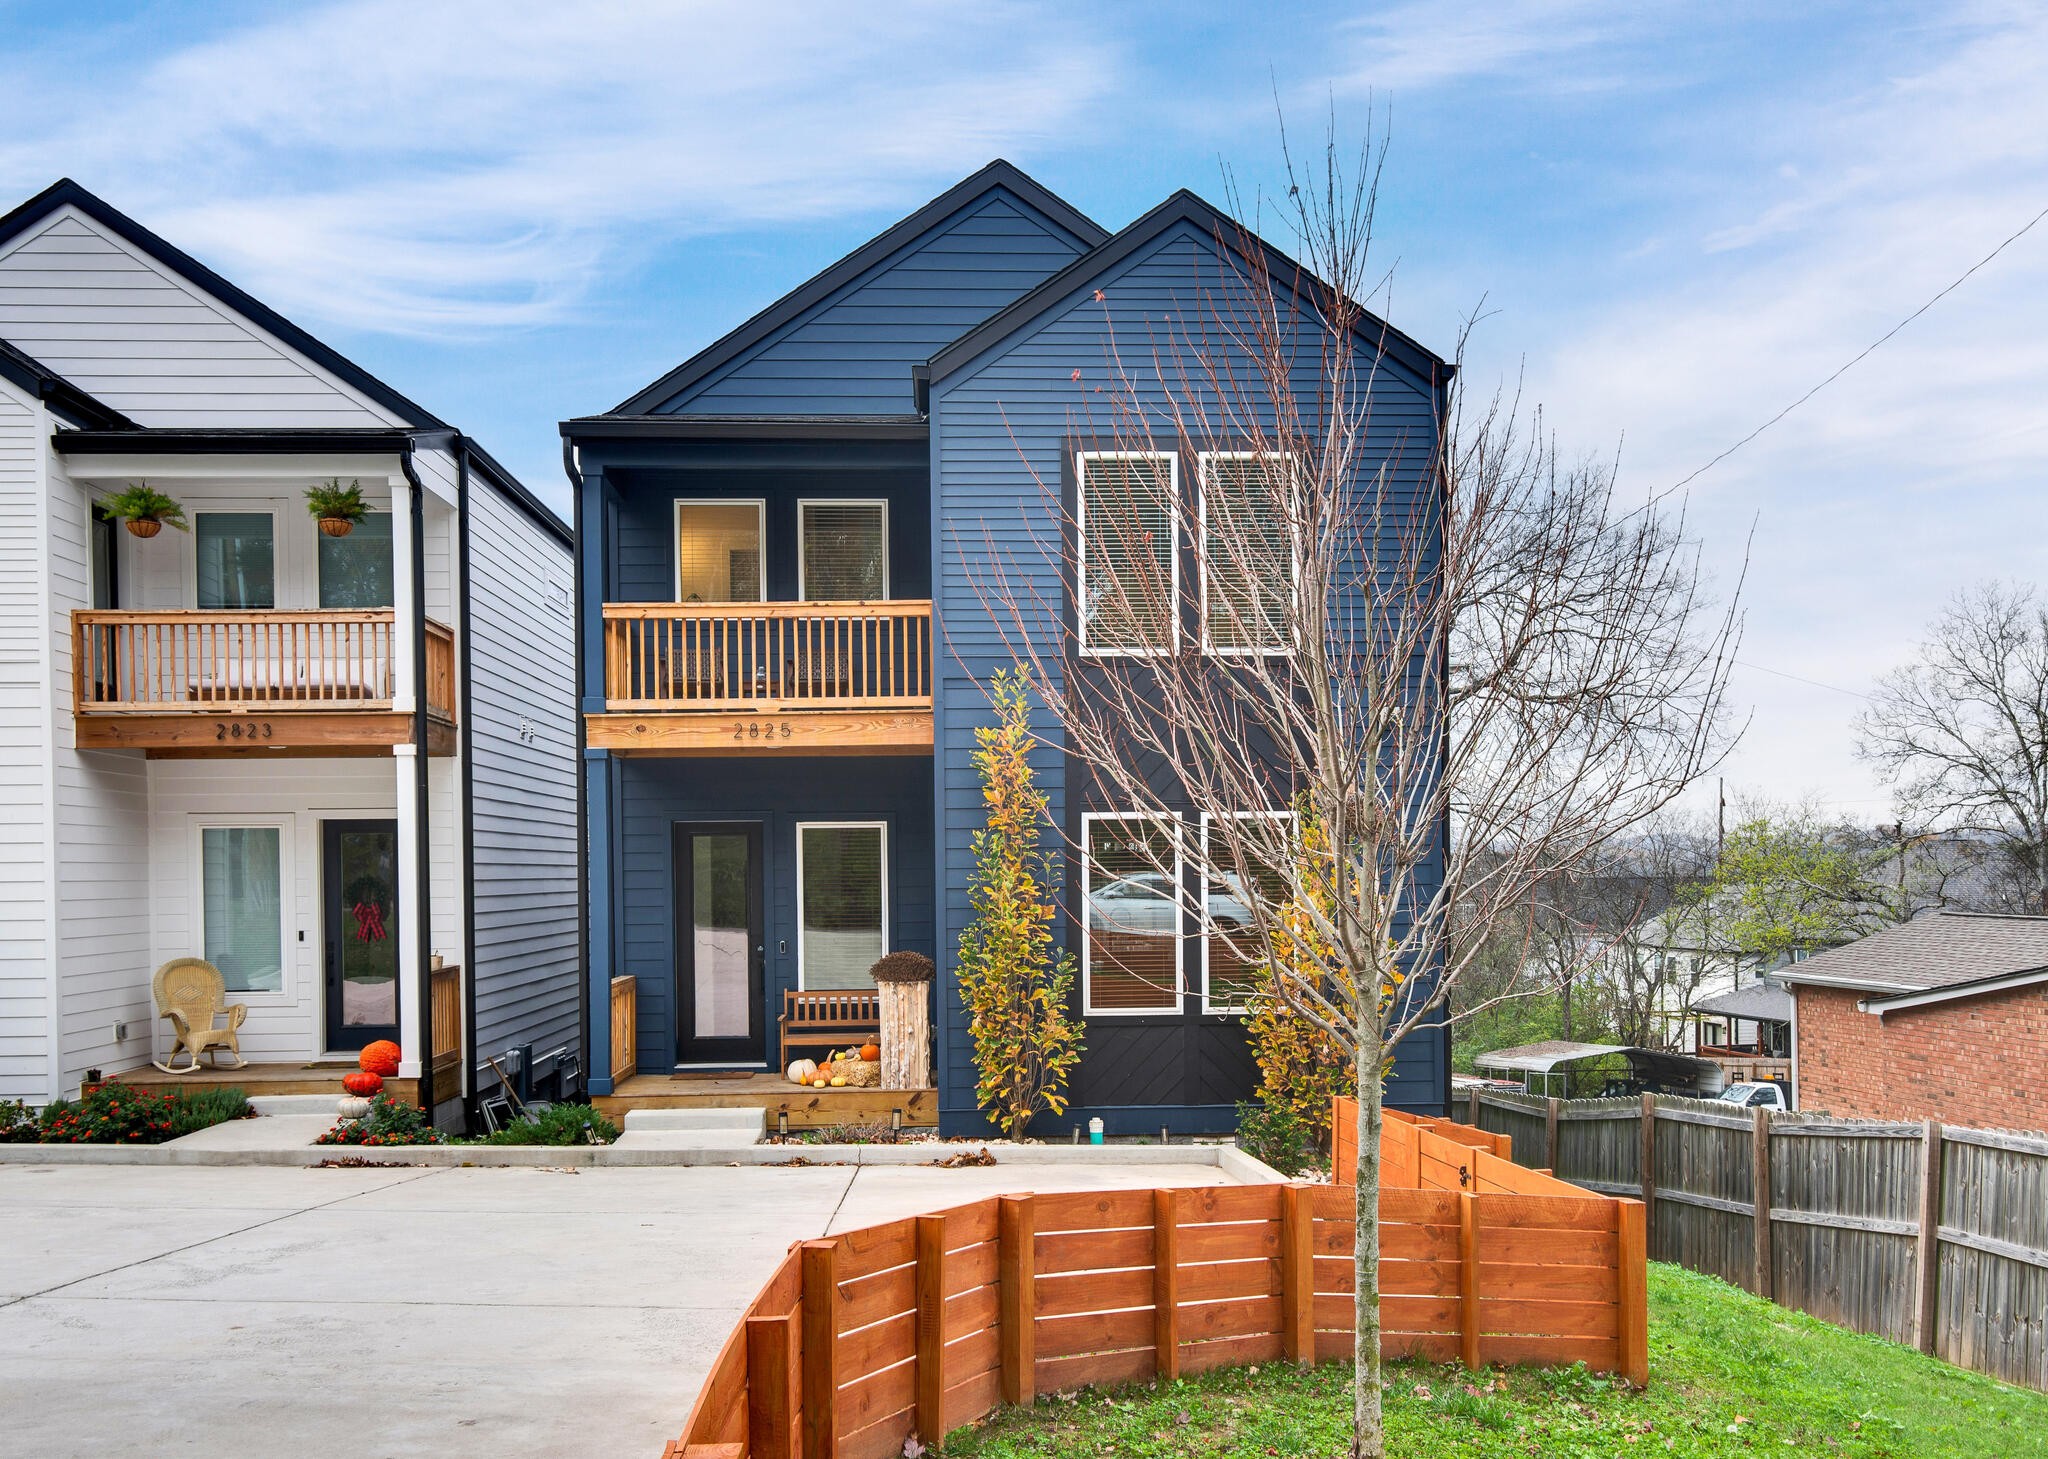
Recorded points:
(1962, 732)
(1415, 663)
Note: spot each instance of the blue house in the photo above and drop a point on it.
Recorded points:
(784, 642)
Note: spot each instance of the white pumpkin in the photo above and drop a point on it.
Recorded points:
(803, 1071)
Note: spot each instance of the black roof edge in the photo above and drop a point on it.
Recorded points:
(747, 427)
(806, 295)
(310, 440)
(65, 191)
(1183, 206)
(74, 404)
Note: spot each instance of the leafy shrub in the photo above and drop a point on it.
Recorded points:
(1279, 1136)
(558, 1124)
(389, 1122)
(18, 1123)
(113, 1114)
(197, 1109)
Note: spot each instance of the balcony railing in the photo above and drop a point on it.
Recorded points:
(218, 662)
(768, 657)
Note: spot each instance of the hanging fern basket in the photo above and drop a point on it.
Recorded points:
(145, 526)
(337, 526)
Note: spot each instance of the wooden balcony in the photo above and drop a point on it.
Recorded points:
(774, 678)
(204, 682)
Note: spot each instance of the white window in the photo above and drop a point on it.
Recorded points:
(842, 551)
(1128, 510)
(718, 551)
(1131, 951)
(1247, 554)
(1232, 951)
(355, 571)
(236, 558)
(242, 904)
(842, 894)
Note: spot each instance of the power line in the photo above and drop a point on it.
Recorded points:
(1867, 352)
(1800, 679)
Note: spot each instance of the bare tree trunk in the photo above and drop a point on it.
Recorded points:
(1368, 1427)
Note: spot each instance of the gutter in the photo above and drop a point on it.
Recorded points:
(464, 719)
(583, 1023)
(423, 880)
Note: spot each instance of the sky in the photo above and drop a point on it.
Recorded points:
(1666, 222)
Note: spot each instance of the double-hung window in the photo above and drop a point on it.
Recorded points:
(718, 551)
(1248, 512)
(1128, 519)
(842, 882)
(843, 551)
(1131, 950)
(1233, 952)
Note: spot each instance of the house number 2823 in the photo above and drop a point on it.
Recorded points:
(242, 729)
(755, 730)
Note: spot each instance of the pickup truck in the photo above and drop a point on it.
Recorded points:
(1755, 1096)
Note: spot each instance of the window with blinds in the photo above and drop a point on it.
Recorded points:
(843, 551)
(842, 892)
(1232, 951)
(1130, 576)
(1247, 556)
(718, 551)
(1130, 960)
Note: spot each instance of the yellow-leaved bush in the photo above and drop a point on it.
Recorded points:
(1018, 995)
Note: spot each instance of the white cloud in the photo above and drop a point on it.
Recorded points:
(1540, 44)
(422, 168)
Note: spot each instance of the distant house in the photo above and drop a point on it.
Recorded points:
(1747, 1031)
(1944, 1017)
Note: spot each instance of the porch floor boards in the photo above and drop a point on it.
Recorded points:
(295, 1076)
(808, 1109)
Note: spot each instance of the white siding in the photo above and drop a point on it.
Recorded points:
(25, 764)
(154, 346)
(524, 813)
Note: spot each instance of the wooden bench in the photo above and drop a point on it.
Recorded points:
(833, 1019)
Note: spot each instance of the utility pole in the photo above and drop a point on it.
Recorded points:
(1720, 818)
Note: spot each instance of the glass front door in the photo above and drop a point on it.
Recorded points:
(360, 893)
(719, 945)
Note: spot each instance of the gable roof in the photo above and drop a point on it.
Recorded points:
(1933, 958)
(807, 296)
(1183, 207)
(1766, 1002)
(74, 404)
(66, 193)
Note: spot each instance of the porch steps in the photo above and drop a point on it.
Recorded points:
(692, 1129)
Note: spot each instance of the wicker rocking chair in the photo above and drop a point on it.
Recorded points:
(190, 992)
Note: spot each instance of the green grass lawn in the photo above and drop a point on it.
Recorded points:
(1729, 1374)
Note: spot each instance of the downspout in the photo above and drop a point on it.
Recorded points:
(465, 747)
(423, 880)
(582, 775)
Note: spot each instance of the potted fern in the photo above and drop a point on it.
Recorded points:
(145, 510)
(338, 507)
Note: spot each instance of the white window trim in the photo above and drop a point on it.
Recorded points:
(279, 567)
(1179, 1004)
(805, 503)
(1208, 1005)
(286, 826)
(803, 826)
(1209, 646)
(675, 537)
(1081, 460)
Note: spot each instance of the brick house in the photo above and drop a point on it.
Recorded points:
(1945, 1017)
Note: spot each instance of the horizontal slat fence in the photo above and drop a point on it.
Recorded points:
(1923, 1234)
(913, 1328)
(767, 656)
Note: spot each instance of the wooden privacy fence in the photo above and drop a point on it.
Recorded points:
(915, 1327)
(1917, 1232)
(625, 1027)
(719, 656)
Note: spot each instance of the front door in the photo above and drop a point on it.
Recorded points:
(359, 894)
(719, 944)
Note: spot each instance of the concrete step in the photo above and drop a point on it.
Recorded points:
(712, 1139)
(296, 1104)
(747, 1124)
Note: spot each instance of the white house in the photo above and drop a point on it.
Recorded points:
(340, 768)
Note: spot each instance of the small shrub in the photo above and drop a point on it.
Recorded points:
(198, 1109)
(389, 1122)
(559, 1124)
(18, 1123)
(113, 1114)
(1279, 1136)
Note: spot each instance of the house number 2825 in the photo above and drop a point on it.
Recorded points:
(755, 730)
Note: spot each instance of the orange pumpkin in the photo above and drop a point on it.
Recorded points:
(870, 1052)
(362, 1082)
(379, 1058)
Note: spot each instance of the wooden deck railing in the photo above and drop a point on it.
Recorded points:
(444, 987)
(862, 1340)
(625, 1027)
(767, 656)
(211, 662)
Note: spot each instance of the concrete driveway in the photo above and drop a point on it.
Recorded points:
(272, 1312)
